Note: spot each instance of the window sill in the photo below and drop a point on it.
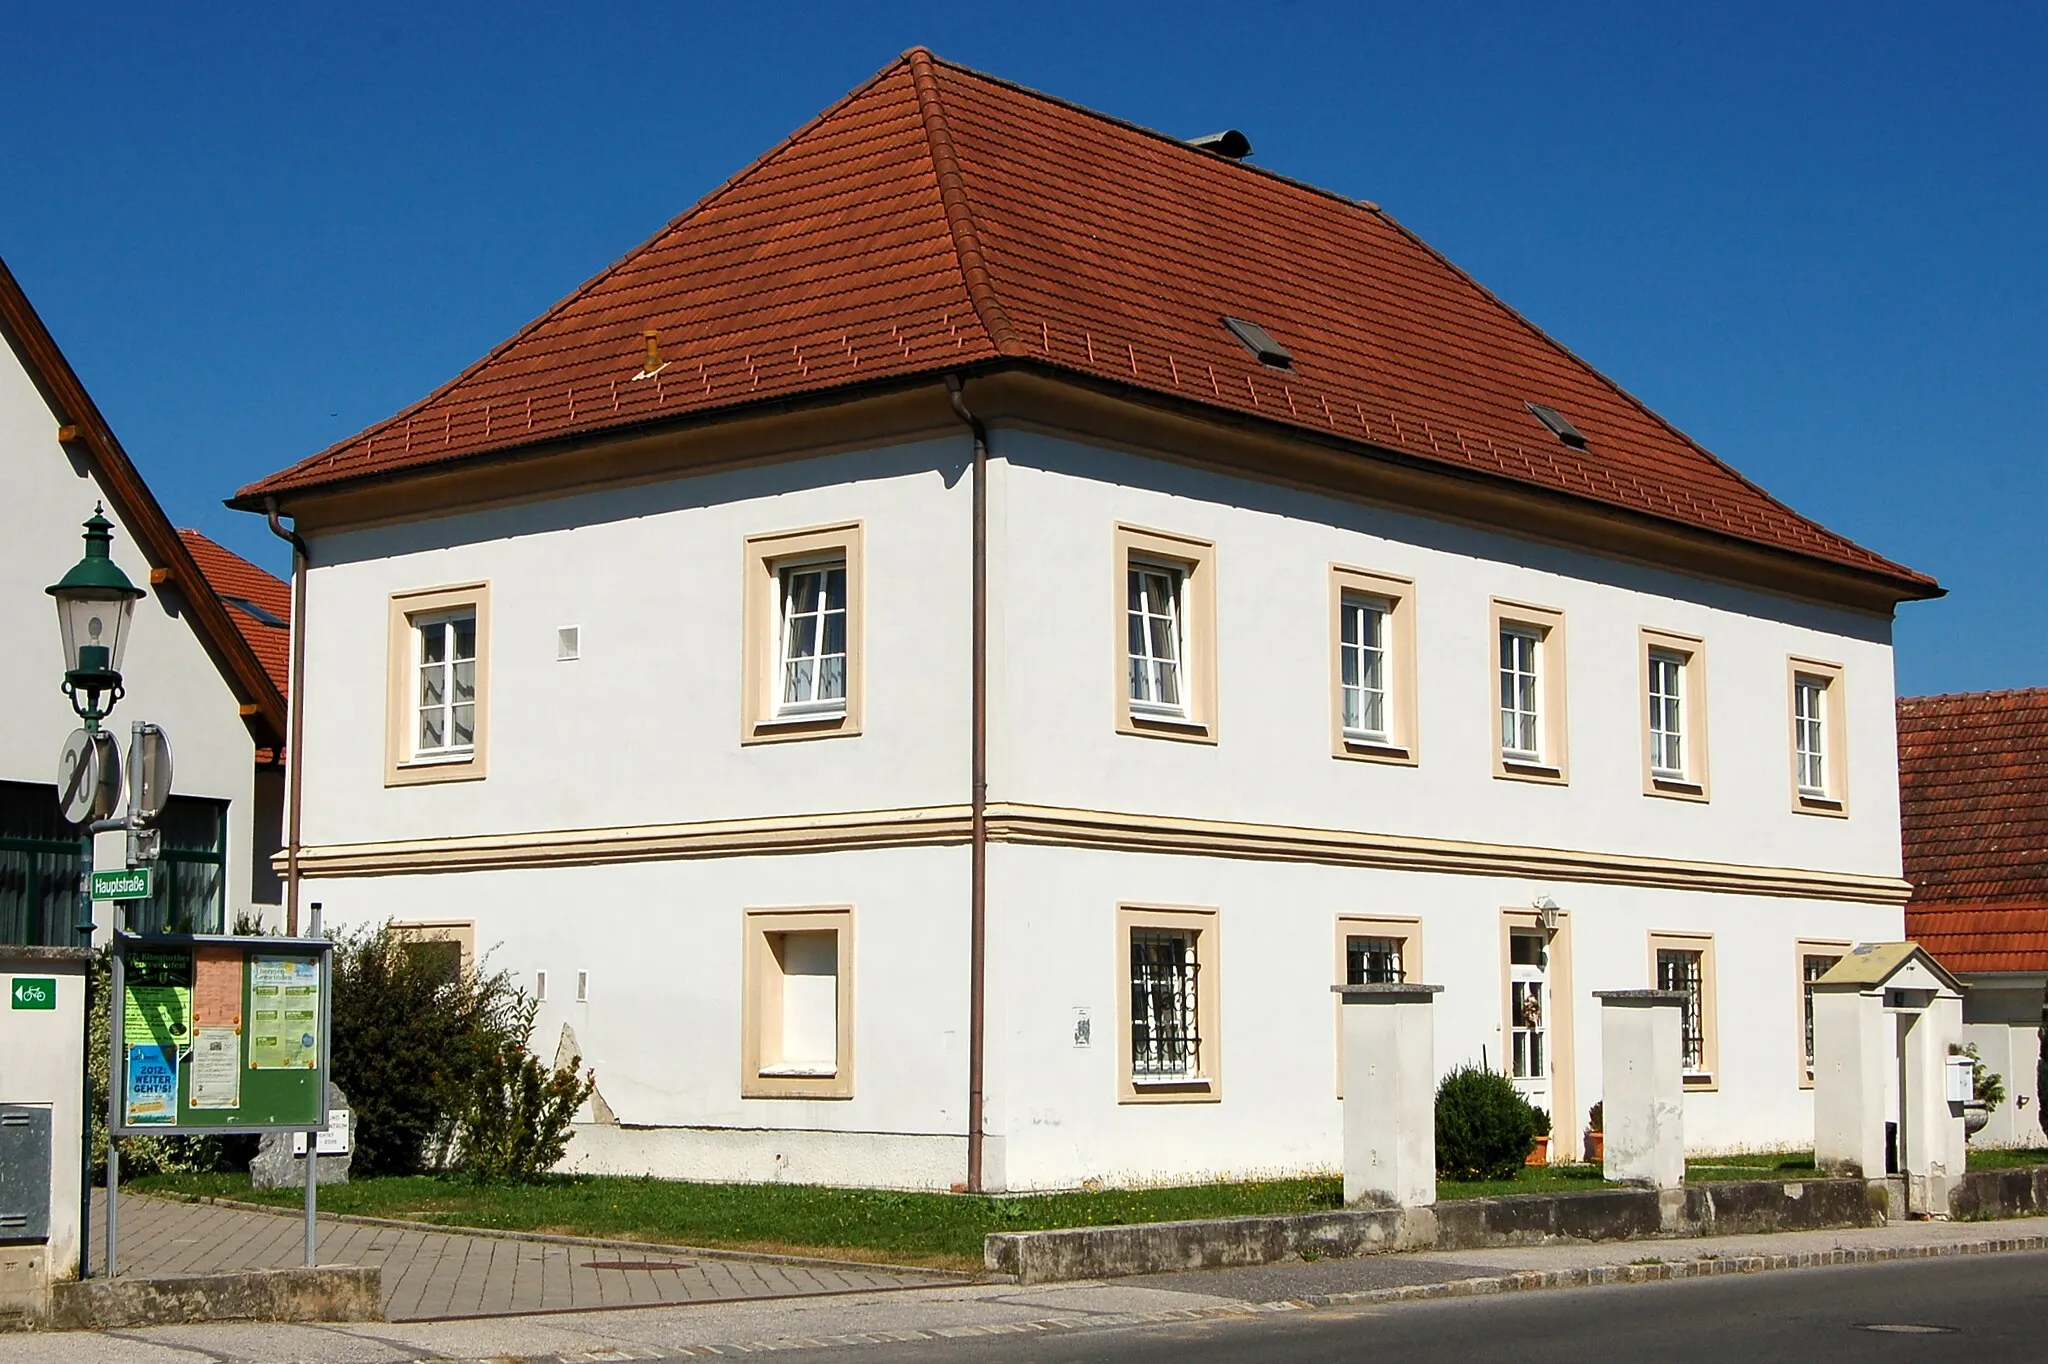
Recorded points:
(823, 724)
(799, 1072)
(1160, 726)
(1519, 769)
(1825, 806)
(1676, 788)
(421, 771)
(1375, 750)
(1700, 1083)
(1199, 1089)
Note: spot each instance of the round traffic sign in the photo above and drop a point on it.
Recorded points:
(149, 772)
(89, 776)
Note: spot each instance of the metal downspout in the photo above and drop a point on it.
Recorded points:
(296, 723)
(977, 952)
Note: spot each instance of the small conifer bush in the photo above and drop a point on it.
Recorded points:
(1485, 1129)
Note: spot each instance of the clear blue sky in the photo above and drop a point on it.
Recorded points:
(1815, 237)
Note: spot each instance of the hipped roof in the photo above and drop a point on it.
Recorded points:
(938, 219)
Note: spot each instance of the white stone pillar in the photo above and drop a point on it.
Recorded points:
(1642, 1086)
(1389, 1095)
(1931, 1136)
(1849, 1051)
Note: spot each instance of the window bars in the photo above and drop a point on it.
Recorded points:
(813, 639)
(1157, 639)
(1165, 1026)
(1680, 970)
(1811, 968)
(1373, 961)
(1362, 664)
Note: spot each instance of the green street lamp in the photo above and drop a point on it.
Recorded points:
(95, 602)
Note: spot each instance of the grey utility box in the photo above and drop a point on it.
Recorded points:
(24, 1172)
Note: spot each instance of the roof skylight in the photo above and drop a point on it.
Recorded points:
(1260, 342)
(256, 613)
(1559, 426)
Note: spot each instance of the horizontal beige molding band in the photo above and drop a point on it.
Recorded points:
(1049, 826)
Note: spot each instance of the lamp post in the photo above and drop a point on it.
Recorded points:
(95, 603)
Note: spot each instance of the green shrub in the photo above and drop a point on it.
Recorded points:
(1485, 1129)
(413, 1033)
(516, 1123)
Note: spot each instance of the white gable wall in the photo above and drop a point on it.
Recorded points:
(171, 679)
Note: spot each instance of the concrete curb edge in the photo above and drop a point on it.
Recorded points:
(1521, 1281)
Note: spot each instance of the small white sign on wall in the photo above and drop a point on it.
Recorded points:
(1084, 1029)
(333, 1142)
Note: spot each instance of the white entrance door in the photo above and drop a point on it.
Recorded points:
(1529, 1059)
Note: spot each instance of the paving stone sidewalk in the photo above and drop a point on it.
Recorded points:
(969, 1311)
(436, 1275)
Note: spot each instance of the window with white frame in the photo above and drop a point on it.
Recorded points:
(1363, 667)
(1157, 638)
(1683, 970)
(1809, 734)
(1166, 1033)
(444, 708)
(1528, 1004)
(1521, 727)
(812, 654)
(1667, 713)
(1372, 960)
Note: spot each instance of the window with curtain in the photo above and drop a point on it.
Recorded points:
(1667, 713)
(1520, 728)
(39, 868)
(1809, 702)
(1362, 661)
(1165, 1022)
(445, 706)
(1157, 639)
(813, 638)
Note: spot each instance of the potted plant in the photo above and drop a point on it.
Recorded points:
(1596, 1137)
(1540, 1155)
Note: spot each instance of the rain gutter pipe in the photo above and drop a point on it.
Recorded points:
(977, 932)
(295, 750)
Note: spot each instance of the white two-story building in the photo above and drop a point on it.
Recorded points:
(932, 666)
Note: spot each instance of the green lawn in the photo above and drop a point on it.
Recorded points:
(2006, 1160)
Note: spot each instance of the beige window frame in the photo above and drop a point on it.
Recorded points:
(1398, 640)
(1195, 561)
(761, 1008)
(461, 932)
(1708, 1077)
(1834, 802)
(1407, 931)
(766, 557)
(1552, 708)
(1801, 950)
(1691, 653)
(401, 682)
(1206, 1085)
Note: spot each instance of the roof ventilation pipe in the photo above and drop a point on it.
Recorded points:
(1230, 144)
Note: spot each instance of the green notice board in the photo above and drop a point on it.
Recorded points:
(220, 1034)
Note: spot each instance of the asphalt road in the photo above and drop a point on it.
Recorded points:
(1980, 1309)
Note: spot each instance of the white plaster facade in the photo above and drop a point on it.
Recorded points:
(640, 738)
(172, 677)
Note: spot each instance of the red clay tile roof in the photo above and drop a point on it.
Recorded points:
(241, 585)
(937, 217)
(1973, 792)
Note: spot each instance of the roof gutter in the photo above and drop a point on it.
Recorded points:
(295, 749)
(977, 893)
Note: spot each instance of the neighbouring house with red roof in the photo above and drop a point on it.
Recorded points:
(198, 664)
(1973, 802)
(931, 667)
